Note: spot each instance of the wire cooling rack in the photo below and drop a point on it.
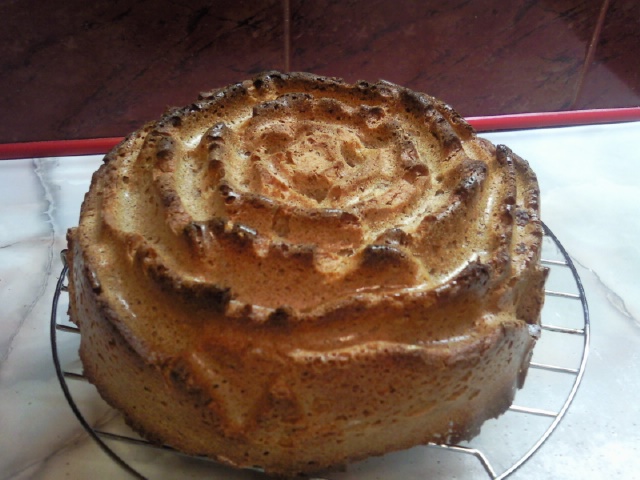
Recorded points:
(503, 446)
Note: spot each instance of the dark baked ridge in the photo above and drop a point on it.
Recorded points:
(292, 240)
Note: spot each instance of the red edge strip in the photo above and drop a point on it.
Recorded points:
(57, 148)
(517, 121)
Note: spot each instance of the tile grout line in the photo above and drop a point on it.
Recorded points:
(286, 4)
(591, 51)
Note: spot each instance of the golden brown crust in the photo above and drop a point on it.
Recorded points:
(292, 240)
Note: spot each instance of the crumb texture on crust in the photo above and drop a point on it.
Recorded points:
(292, 240)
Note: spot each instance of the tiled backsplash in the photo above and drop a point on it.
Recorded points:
(79, 69)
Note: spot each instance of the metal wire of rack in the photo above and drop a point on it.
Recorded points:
(555, 415)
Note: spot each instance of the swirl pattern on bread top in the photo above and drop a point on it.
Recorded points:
(279, 196)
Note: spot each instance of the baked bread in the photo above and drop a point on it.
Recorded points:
(294, 272)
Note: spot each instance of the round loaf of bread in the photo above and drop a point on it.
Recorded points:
(295, 272)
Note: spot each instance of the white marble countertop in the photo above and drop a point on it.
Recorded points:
(590, 182)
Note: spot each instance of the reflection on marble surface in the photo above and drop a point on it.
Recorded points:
(590, 194)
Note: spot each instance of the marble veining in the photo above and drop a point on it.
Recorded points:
(590, 197)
